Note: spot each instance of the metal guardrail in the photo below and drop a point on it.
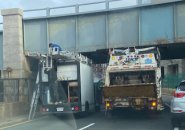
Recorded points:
(78, 8)
(75, 9)
(106, 5)
(11, 89)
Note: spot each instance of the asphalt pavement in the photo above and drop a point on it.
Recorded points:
(120, 120)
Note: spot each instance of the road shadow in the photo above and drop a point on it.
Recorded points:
(130, 114)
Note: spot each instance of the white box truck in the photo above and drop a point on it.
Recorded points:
(70, 85)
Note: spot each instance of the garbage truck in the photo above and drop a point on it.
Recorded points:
(133, 79)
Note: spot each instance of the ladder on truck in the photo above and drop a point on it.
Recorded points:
(36, 93)
(45, 63)
(34, 102)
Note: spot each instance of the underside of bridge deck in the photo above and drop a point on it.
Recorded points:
(167, 52)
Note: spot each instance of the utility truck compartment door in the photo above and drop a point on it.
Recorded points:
(144, 90)
(67, 72)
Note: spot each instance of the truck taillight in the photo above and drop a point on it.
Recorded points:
(179, 95)
(76, 108)
(154, 104)
(108, 105)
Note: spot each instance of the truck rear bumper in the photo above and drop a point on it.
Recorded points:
(60, 109)
(135, 103)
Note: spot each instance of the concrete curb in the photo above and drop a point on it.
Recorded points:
(13, 121)
(18, 120)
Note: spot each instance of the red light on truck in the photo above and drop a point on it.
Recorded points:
(179, 95)
(76, 108)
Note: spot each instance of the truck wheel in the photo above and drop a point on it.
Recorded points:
(108, 113)
(97, 108)
(86, 108)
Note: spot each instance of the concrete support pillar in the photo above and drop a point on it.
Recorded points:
(14, 62)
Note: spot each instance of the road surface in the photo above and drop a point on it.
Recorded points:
(121, 120)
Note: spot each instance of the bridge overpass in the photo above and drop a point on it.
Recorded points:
(106, 26)
(157, 23)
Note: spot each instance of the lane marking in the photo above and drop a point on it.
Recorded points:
(86, 126)
(21, 123)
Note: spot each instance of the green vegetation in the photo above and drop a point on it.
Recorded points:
(172, 80)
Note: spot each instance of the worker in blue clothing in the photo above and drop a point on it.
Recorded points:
(52, 45)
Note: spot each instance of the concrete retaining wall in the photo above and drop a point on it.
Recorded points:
(10, 110)
(167, 91)
(15, 64)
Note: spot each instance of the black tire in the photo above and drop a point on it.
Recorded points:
(97, 108)
(108, 114)
(86, 108)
